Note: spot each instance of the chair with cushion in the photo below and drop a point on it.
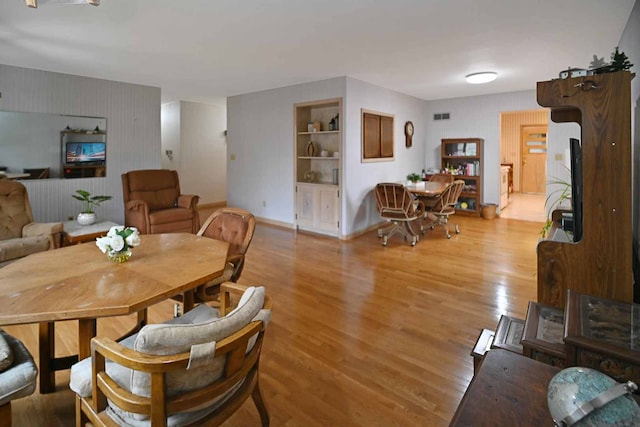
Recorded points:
(153, 203)
(439, 214)
(37, 173)
(19, 235)
(193, 370)
(234, 226)
(18, 373)
(396, 205)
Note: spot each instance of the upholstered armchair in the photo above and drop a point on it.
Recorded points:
(197, 369)
(153, 203)
(19, 235)
(18, 373)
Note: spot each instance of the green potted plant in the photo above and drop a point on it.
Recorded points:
(413, 177)
(554, 200)
(87, 215)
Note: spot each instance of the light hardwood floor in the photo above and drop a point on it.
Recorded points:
(361, 335)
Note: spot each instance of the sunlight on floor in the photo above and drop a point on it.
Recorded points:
(527, 207)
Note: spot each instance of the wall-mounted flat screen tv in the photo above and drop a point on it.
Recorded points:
(85, 152)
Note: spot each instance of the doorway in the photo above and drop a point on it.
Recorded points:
(524, 132)
(534, 159)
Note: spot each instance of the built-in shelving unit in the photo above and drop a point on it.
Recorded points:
(318, 172)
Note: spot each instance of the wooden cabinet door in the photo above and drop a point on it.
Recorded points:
(371, 130)
(305, 206)
(328, 209)
(386, 136)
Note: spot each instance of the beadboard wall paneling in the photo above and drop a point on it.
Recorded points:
(511, 124)
(133, 132)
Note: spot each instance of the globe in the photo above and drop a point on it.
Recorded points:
(571, 388)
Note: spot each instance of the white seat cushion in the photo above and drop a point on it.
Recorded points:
(19, 380)
(198, 326)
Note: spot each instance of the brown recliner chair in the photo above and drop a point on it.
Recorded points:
(153, 203)
(19, 235)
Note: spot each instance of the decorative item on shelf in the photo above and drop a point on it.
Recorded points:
(87, 216)
(324, 153)
(310, 127)
(118, 242)
(311, 150)
(335, 176)
(336, 122)
(332, 124)
(316, 127)
(336, 154)
(309, 176)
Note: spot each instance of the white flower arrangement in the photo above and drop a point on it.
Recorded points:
(119, 239)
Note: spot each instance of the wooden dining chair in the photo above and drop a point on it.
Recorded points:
(193, 370)
(396, 205)
(438, 215)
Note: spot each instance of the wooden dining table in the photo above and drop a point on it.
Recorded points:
(80, 283)
(427, 188)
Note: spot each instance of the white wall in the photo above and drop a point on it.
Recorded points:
(260, 140)
(630, 45)
(194, 132)
(359, 209)
(133, 134)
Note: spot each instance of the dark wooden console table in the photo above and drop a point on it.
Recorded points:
(508, 390)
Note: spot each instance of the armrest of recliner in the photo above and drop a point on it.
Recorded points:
(188, 201)
(50, 229)
(136, 214)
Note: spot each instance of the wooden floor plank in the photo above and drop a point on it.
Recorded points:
(361, 334)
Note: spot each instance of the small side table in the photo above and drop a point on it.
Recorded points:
(75, 233)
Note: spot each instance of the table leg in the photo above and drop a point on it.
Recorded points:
(188, 301)
(86, 330)
(46, 354)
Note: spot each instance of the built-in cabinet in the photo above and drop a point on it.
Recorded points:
(318, 172)
(463, 158)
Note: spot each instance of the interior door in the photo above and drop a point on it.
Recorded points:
(534, 159)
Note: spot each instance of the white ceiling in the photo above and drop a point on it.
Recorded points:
(202, 50)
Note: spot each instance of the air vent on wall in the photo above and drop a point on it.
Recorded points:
(441, 116)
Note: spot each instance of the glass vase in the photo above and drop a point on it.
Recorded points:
(119, 256)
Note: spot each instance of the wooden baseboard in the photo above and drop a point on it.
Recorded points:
(275, 223)
(214, 205)
(364, 231)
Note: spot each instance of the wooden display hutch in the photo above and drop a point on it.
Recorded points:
(317, 149)
(465, 155)
(600, 264)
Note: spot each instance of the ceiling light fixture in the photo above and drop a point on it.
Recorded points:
(34, 3)
(482, 77)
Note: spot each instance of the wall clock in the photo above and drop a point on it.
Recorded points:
(408, 133)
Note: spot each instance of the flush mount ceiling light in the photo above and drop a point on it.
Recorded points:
(482, 77)
(34, 3)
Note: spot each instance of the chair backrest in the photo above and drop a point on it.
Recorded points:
(15, 209)
(445, 178)
(394, 201)
(37, 173)
(234, 226)
(159, 188)
(449, 197)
